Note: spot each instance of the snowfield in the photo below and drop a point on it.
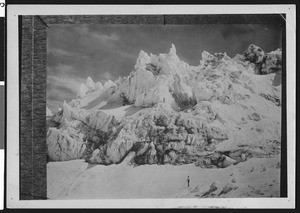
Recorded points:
(77, 179)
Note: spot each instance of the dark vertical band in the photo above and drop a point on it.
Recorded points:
(33, 109)
(283, 163)
(2, 48)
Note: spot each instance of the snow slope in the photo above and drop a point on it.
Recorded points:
(78, 179)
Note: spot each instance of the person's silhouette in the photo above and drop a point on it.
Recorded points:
(188, 181)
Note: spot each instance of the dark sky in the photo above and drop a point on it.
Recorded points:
(108, 51)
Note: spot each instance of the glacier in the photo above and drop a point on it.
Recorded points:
(221, 112)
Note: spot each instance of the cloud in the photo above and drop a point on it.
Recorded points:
(107, 76)
(237, 30)
(105, 38)
(85, 30)
(105, 52)
(64, 81)
(59, 52)
(60, 69)
(60, 88)
(54, 105)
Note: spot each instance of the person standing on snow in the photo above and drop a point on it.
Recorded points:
(188, 181)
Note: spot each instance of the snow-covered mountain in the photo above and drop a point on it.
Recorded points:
(216, 114)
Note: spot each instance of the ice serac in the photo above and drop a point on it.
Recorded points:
(109, 84)
(66, 112)
(158, 93)
(100, 120)
(206, 58)
(138, 82)
(172, 52)
(93, 96)
(48, 112)
(82, 90)
(98, 86)
(89, 88)
(142, 60)
(158, 79)
(66, 143)
(71, 128)
(70, 140)
(171, 112)
(90, 84)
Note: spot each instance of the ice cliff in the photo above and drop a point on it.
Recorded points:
(166, 111)
(48, 112)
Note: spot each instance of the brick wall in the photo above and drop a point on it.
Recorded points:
(33, 109)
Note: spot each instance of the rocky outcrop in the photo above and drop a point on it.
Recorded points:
(254, 54)
(273, 62)
(264, 63)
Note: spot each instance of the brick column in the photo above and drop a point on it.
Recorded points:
(33, 41)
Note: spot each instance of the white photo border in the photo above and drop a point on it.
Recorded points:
(12, 184)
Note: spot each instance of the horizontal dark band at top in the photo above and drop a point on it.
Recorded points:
(166, 19)
(226, 19)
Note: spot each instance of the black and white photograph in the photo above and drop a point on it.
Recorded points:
(178, 111)
(153, 106)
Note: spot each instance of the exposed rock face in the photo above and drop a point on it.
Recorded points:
(273, 62)
(264, 63)
(177, 113)
(254, 54)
